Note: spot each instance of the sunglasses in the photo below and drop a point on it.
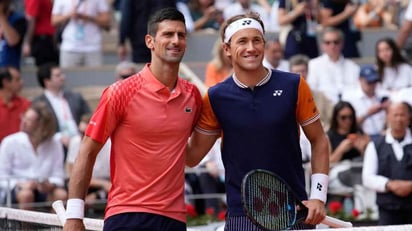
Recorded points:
(336, 42)
(345, 117)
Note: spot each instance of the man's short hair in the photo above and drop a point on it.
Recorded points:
(44, 72)
(168, 13)
(4, 74)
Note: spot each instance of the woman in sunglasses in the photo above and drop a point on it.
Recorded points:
(348, 143)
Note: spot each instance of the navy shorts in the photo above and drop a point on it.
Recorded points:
(142, 222)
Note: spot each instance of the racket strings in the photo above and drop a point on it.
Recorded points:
(269, 202)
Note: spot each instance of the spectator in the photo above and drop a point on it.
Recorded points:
(348, 143)
(375, 14)
(244, 6)
(370, 105)
(83, 22)
(133, 26)
(12, 106)
(299, 64)
(13, 27)
(339, 14)
(403, 94)
(219, 68)
(125, 69)
(67, 107)
(40, 32)
(331, 72)
(182, 6)
(205, 15)
(33, 158)
(386, 169)
(302, 16)
(394, 70)
(100, 183)
(274, 56)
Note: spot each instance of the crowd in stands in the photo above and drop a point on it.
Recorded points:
(316, 38)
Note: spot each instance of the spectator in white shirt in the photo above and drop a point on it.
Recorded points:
(369, 104)
(331, 73)
(274, 56)
(245, 6)
(386, 167)
(32, 159)
(394, 70)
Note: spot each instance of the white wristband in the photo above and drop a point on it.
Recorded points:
(75, 209)
(319, 188)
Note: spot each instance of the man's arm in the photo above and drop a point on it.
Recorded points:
(31, 22)
(11, 35)
(320, 169)
(404, 32)
(199, 145)
(80, 180)
(320, 148)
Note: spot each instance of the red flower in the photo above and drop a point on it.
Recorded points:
(221, 216)
(335, 207)
(355, 213)
(210, 211)
(191, 211)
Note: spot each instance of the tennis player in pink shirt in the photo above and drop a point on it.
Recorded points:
(149, 118)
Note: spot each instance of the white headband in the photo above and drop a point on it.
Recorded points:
(240, 24)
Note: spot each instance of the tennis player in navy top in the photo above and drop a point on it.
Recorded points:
(258, 111)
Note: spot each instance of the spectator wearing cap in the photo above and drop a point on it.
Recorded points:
(369, 104)
(125, 69)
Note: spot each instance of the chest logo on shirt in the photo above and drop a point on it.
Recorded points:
(188, 109)
(277, 92)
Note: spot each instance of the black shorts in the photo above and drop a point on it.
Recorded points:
(142, 222)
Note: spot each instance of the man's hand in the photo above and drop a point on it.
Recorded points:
(122, 52)
(401, 188)
(74, 225)
(316, 212)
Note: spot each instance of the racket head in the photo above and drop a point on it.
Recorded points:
(269, 202)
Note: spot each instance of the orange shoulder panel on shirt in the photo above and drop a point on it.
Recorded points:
(306, 110)
(208, 121)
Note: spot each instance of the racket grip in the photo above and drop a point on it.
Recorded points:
(58, 207)
(336, 223)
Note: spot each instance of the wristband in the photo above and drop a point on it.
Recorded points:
(319, 188)
(75, 209)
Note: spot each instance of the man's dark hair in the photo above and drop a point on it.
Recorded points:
(159, 16)
(44, 72)
(4, 74)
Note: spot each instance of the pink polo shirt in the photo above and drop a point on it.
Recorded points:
(149, 127)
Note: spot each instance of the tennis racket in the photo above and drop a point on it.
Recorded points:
(271, 204)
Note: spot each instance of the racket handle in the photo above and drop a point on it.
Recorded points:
(58, 207)
(336, 223)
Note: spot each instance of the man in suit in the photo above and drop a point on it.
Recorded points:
(68, 107)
